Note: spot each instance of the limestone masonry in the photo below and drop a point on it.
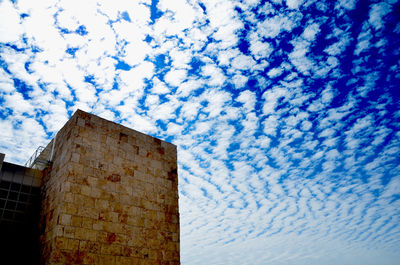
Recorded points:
(109, 196)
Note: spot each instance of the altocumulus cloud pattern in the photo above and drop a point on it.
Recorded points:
(285, 113)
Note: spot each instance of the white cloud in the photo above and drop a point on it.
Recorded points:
(393, 188)
(275, 72)
(164, 111)
(28, 130)
(190, 110)
(363, 41)
(239, 81)
(130, 85)
(175, 77)
(7, 85)
(294, 4)
(198, 37)
(306, 125)
(258, 48)
(216, 77)
(135, 77)
(66, 19)
(131, 119)
(202, 127)
(223, 19)
(242, 62)
(103, 72)
(271, 97)
(217, 101)
(57, 116)
(159, 87)
(45, 35)
(183, 13)
(273, 26)
(327, 95)
(180, 58)
(225, 56)
(10, 24)
(18, 104)
(311, 31)
(271, 125)
(174, 129)
(348, 4)
(376, 14)
(135, 52)
(339, 46)
(248, 99)
(299, 58)
(188, 86)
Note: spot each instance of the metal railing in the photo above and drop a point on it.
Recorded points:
(31, 161)
(42, 156)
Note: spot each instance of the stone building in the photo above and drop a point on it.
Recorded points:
(108, 195)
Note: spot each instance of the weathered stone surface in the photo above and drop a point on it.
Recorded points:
(110, 196)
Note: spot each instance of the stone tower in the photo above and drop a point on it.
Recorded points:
(109, 196)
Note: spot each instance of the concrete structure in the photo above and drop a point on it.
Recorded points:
(109, 196)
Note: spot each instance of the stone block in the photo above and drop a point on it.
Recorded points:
(125, 261)
(87, 222)
(86, 190)
(69, 231)
(106, 260)
(76, 221)
(81, 233)
(88, 212)
(98, 225)
(57, 231)
(64, 219)
(102, 204)
(61, 242)
(75, 157)
(111, 249)
(91, 259)
(81, 122)
(73, 244)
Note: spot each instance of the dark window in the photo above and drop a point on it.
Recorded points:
(13, 195)
(26, 189)
(5, 185)
(21, 207)
(8, 215)
(15, 186)
(11, 205)
(23, 197)
(3, 194)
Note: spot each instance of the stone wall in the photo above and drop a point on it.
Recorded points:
(110, 196)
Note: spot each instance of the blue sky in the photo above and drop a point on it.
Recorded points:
(285, 113)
